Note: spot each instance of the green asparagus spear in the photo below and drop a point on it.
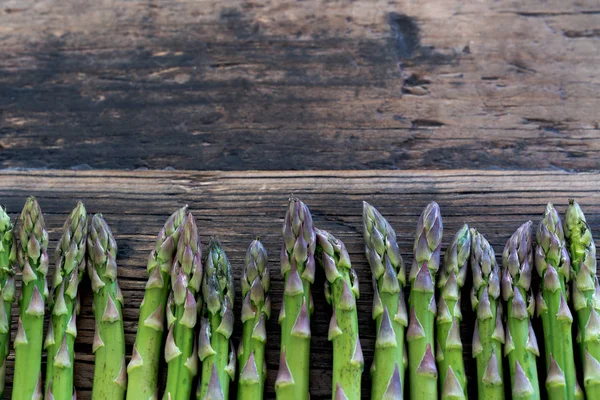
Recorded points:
(341, 291)
(449, 355)
(182, 310)
(298, 270)
(62, 327)
(8, 259)
(33, 261)
(488, 336)
(554, 268)
(420, 335)
(256, 309)
(110, 375)
(585, 283)
(521, 346)
(389, 306)
(143, 368)
(215, 351)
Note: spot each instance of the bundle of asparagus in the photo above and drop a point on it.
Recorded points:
(214, 349)
(453, 381)
(143, 368)
(33, 261)
(341, 291)
(389, 307)
(110, 377)
(554, 268)
(8, 259)
(420, 334)
(182, 310)
(521, 346)
(62, 328)
(585, 295)
(256, 309)
(298, 270)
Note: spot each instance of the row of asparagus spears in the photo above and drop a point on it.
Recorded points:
(186, 317)
(503, 302)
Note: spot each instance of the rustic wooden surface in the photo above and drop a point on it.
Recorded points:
(237, 206)
(314, 84)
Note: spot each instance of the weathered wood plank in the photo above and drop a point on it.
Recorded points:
(237, 206)
(274, 84)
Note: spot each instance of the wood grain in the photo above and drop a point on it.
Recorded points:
(272, 84)
(238, 206)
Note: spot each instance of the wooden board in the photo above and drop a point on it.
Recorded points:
(237, 206)
(274, 84)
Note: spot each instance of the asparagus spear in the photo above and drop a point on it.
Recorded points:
(8, 259)
(256, 309)
(110, 376)
(489, 332)
(33, 261)
(341, 291)
(62, 327)
(180, 350)
(389, 307)
(521, 344)
(453, 381)
(143, 368)
(214, 349)
(421, 362)
(298, 270)
(554, 267)
(585, 283)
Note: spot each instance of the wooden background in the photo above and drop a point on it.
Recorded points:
(488, 107)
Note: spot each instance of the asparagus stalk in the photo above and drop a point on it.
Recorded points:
(453, 381)
(341, 291)
(32, 257)
(143, 368)
(585, 283)
(389, 307)
(298, 270)
(62, 327)
(110, 376)
(554, 267)
(256, 309)
(488, 335)
(420, 335)
(8, 259)
(521, 346)
(214, 349)
(180, 349)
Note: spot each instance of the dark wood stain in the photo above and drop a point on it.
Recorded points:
(285, 85)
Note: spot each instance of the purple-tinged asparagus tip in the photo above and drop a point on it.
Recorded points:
(394, 387)
(555, 376)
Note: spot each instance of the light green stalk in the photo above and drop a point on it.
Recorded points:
(449, 354)
(182, 310)
(8, 259)
(110, 372)
(62, 328)
(341, 291)
(256, 309)
(389, 306)
(215, 351)
(488, 335)
(521, 346)
(420, 335)
(33, 261)
(585, 297)
(554, 268)
(147, 350)
(298, 270)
